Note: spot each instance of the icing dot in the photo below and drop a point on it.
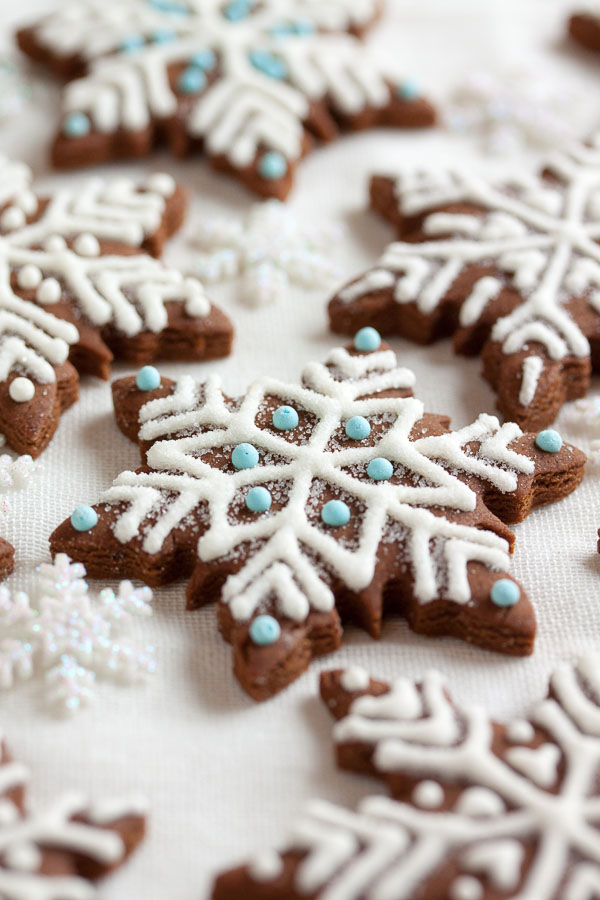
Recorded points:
(258, 500)
(84, 518)
(29, 277)
(192, 80)
(520, 731)
(236, 10)
(285, 418)
(21, 390)
(380, 469)
(12, 218)
(204, 59)
(87, 245)
(466, 887)
(54, 243)
(244, 456)
(408, 90)
(354, 679)
(148, 378)
(335, 513)
(266, 866)
(549, 440)
(49, 292)
(28, 202)
(132, 43)
(357, 428)
(505, 592)
(162, 183)
(268, 64)
(76, 124)
(367, 339)
(265, 630)
(272, 165)
(163, 36)
(428, 794)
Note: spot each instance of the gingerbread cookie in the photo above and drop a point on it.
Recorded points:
(480, 810)
(251, 84)
(584, 27)
(58, 854)
(299, 507)
(76, 288)
(513, 271)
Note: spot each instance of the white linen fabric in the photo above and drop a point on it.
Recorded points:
(222, 774)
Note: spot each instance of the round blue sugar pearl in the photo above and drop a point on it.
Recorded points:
(236, 10)
(76, 124)
(335, 513)
(357, 428)
(265, 630)
(380, 469)
(272, 165)
(505, 593)
(268, 64)
(258, 499)
(163, 36)
(132, 43)
(148, 378)
(367, 340)
(84, 518)
(245, 456)
(285, 418)
(192, 80)
(304, 27)
(204, 59)
(408, 90)
(549, 440)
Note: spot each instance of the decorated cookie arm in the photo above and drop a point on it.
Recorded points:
(584, 27)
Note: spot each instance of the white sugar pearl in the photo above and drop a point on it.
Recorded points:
(87, 245)
(428, 795)
(24, 857)
(466, 888)
(12, 218)
(29, 277)
(163, 184)
(21, 390)
(28, 202)
(355, 678)
(266, 866)
(520, 731)
(54, 243)
(49, 292)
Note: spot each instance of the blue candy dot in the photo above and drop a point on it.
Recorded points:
(265, 630)
(269, 64)
(84, 518)
(76, 124)
(304, 27)
(148, 378)
(237, 9)
(285, 418)
(192, 80)
(335, 513)
(505, 593)
(549, 440)
(367, 339)
(170, 6)
(132, 43)
(204, 59)
(408, 90)
(163, 36)
(272, 165)
(244, 456)
(357, 428)
(258, 500)
(380, 469)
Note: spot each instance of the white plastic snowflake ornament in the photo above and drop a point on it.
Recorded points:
(270, 250)
(299, 505)
(251, 82)
(480, 810)
(72, 637)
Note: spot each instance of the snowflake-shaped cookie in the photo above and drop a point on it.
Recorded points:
(59, 853)
(299, 506)
(512, 270)
(71, 637)
(75, 289)
(480, 810)
(270, 249)
(251, 83)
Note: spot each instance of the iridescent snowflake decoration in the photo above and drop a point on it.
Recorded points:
(15, 92)
(14, 474)
(511, 110)
(71, 637)
(589, 409)
(269, 250)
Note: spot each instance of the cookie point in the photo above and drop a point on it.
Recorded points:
(358, 428)
(335, 513)
(258, 499)
(148, 378)
(265, 630)
(76, 124)
(285, 418)
(367, 339)
(272, 165)
(84, 518)
(380, 469)
(549, 440)
(244, 456)
(505, 593)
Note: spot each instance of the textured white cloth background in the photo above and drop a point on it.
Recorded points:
(224, 775)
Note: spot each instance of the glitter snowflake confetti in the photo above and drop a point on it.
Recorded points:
(70, 636)
(270, 249)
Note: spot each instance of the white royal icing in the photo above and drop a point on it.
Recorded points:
(541, 236)
(389, 850)
(355, 679)
(60, 251)
(243, 109)
(196, 419)
(21, 390)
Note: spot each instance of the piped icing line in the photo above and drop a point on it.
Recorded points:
(531, 371)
